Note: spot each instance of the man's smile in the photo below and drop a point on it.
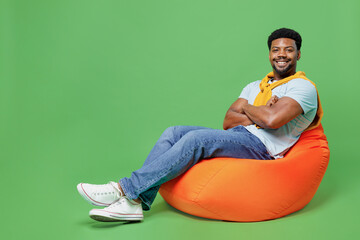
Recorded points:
(282, 63)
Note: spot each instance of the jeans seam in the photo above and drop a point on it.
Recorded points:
(124, 190)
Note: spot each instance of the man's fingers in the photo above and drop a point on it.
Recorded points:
(272, 101)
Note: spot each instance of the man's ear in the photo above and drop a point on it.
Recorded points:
(299, 55)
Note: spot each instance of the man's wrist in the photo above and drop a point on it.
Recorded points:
(245, 107)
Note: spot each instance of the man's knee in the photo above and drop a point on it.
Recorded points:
(195, 137)
(173, 129)
(169, 132)
(189, 133)
(172, 132)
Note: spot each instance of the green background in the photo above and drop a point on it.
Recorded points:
(87, 87)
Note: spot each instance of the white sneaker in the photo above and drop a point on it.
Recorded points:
(121, 210)
(100, 195)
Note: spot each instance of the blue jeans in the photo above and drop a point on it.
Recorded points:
(181, 147)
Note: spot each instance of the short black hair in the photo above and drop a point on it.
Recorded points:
(285, 33)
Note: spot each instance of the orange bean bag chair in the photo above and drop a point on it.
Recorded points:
(248, 190)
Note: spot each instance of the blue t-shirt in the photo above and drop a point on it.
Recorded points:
(278, 141)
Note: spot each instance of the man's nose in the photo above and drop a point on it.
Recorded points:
(282, 53)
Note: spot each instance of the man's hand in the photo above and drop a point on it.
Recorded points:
(272, 101)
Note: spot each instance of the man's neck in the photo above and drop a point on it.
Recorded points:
(278, 77)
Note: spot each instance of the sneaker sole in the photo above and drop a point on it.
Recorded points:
(105, 216)
(89, 199)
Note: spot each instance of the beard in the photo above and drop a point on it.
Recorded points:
(282, 72)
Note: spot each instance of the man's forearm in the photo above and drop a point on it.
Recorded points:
(233, 119)
(261, 115)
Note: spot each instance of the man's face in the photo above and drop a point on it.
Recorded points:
(283, 56)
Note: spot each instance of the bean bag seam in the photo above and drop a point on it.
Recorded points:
(185, 210)
(313, 185)
(318, 176)
(198, 194)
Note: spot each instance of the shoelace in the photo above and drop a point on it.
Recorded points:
(115, 186)
(118, 202)
(113, 190)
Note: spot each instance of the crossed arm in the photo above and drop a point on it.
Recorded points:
(276, 113)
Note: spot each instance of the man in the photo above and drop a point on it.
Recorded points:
(263, 123)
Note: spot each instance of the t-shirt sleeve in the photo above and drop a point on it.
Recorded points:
(304, 92)
(245, 93)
